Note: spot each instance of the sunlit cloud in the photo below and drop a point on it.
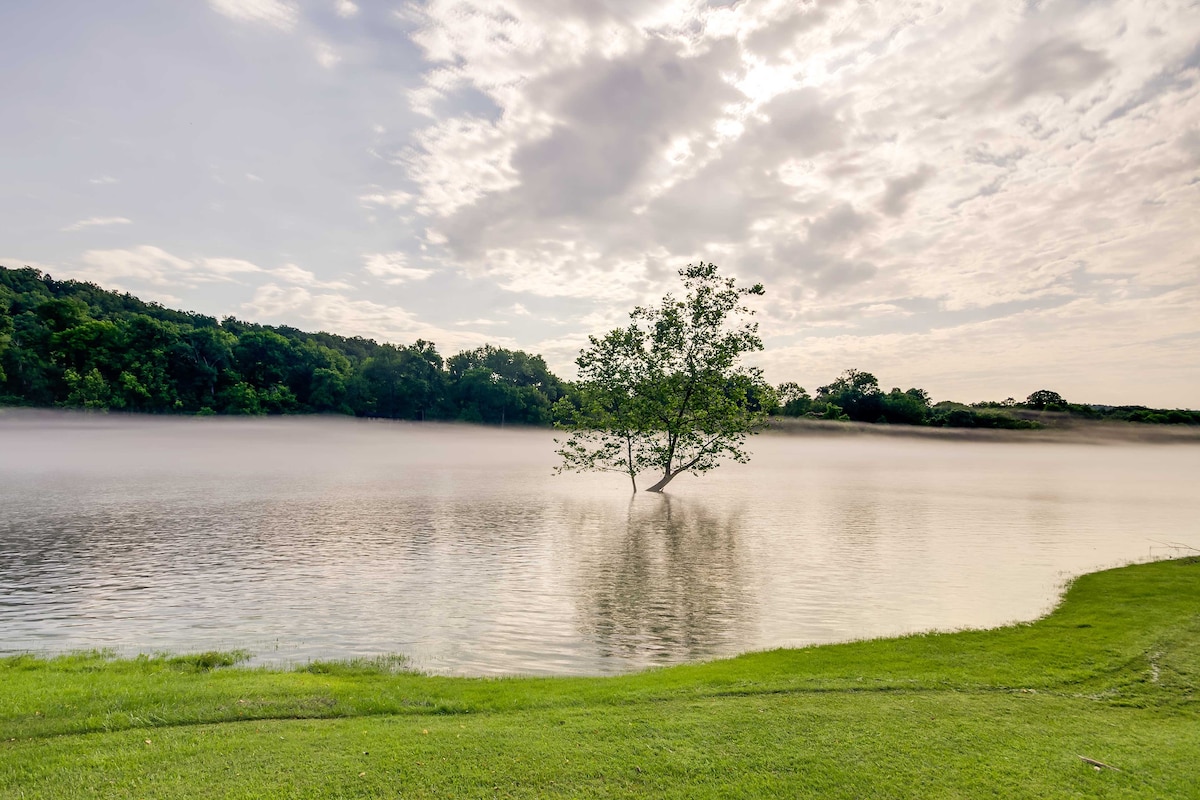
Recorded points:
(97, 222)
(393, 200)
(276, 13)
(393, 268)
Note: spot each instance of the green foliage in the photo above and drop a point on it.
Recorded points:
(501, 385)
(1045, 399)
(89, 391)
(855, 393)
(948, 414)
(668, 392)
(73, 344)
(792, 400)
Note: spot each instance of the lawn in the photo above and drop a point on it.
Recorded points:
(1110, 676)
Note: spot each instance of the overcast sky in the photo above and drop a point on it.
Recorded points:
(981, 199)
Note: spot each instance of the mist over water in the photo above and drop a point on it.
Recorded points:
(303, 538)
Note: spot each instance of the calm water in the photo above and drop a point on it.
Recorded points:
(306, 538)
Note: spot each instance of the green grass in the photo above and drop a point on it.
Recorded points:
(1110, 675)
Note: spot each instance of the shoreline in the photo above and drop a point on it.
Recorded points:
(1096, 698)
(1058, 429)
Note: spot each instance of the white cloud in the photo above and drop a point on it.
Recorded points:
(276, 13)
(394, 200)
(250, 176)
(96, 222)
(102, 180)
(346, 9)
(146, 263)
(228, 266)
(154, 266)
(336, 313)
(327, 57)
(393, 268)
(302, 277)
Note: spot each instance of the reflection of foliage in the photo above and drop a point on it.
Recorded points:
(670, 588)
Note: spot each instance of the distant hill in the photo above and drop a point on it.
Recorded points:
(74, 344)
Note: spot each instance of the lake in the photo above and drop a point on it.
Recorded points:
(455, 546)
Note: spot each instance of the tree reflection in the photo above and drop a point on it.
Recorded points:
(667, 585)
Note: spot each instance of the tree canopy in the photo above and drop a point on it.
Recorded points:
(73, 344)
(669, 392)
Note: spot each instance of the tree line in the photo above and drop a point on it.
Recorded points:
(74, 344)
(856, 395)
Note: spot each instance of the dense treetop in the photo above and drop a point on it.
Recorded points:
(74, 344)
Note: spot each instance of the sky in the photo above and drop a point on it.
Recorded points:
(981, 199)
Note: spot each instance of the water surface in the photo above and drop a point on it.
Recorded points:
(306, 538)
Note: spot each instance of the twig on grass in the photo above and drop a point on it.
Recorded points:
(1097, 764)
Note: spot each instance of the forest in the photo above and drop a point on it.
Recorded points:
(75, 345)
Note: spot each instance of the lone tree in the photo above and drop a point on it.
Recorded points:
(1044, 398)
(668, 391)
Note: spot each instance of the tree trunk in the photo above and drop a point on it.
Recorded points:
(667, 478)
(629, 461)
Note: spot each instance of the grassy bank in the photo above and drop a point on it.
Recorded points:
(1111, 675)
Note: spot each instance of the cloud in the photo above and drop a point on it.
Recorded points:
(276, 13)
(228, 266)
(102, 180)
(327, 57)
(146, 263)
(295, 275)
(393, 268)
(96, 222)
(394, 200)
(336, 313)
(899, 191)
(346, 9)
(1053, 67)
(154, 266)
(780, 34)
